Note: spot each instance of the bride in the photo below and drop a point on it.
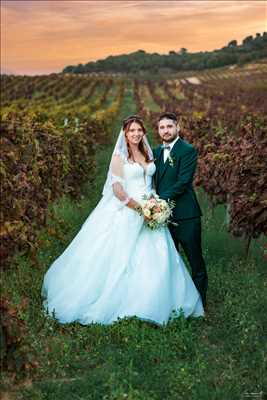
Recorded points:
(115, 266)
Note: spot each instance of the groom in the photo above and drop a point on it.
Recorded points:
(176, 162)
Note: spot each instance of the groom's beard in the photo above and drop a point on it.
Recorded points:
(170, 139)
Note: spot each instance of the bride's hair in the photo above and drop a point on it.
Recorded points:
(141, 146)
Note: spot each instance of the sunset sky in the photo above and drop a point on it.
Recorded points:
(40, 37)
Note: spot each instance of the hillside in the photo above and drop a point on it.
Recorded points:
(251, 48)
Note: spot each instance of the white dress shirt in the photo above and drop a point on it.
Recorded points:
(167, 151)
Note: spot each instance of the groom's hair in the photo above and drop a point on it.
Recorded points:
(168, 115)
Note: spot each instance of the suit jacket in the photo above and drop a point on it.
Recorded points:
(173, 180)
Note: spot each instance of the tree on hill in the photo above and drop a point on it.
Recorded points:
(140, 61)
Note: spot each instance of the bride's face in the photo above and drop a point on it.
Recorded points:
(134, 134)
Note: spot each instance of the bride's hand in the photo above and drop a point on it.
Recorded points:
(147, 218)
(134, 205)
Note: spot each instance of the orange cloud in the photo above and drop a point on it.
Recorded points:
(45, 36)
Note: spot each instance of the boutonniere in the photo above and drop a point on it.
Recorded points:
(171, 161)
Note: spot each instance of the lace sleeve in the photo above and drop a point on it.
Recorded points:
(117, 179)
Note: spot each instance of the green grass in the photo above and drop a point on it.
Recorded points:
(220, 357)
(112, 95)
(148, 100)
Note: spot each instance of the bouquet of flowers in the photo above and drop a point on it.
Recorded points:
(157, 212)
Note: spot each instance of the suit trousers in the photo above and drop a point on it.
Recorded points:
(188, 235)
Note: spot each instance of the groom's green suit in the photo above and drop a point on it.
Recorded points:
(173, 181)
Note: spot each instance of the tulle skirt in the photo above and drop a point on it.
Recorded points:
(116, 267)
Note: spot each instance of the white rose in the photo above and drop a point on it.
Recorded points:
(147, 213)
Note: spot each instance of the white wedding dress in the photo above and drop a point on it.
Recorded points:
(116, 267)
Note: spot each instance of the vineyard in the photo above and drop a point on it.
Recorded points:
(49, 128)
(226, 121)
(56, 128)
